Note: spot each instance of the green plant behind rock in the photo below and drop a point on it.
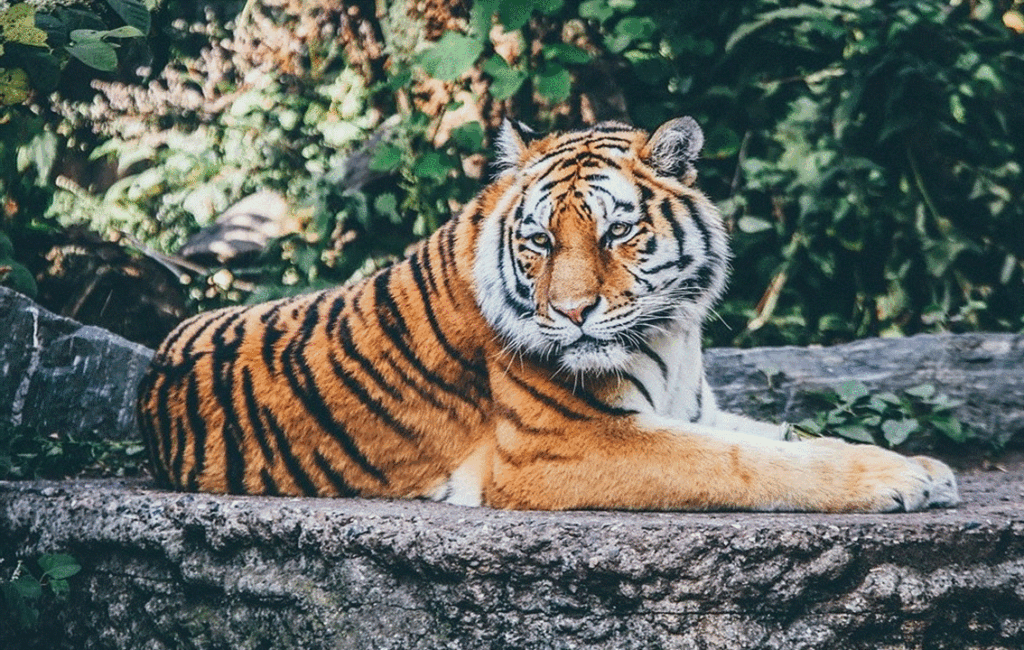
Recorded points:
(920, 415)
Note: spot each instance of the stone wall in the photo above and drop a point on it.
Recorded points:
(166, 571)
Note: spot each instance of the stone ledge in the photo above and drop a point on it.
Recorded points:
(167, 570)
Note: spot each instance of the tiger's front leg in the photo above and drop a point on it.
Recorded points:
(652, 463)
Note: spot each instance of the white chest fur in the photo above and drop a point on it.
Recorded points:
(666, 377)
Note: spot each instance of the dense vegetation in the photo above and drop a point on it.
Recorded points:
(865, 153)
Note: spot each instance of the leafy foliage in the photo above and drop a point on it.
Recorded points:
(26, 454)
(920, 413)
(23, 589)
(864, 153)
(35, 46)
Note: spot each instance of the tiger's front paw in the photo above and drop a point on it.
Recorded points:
(879, 480)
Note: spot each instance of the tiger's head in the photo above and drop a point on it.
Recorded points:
(594, 241)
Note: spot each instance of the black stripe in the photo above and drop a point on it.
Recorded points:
(197, 425)
(647, 351)
(149, 436)
(253, 413)
(222, 370)
(414, 385)
(639, 386)
(373, 405)
(547, 400)
(305, 390)
(269, 485)
(705, 232)
(468, 366)
(393, 326)
(163, 422)
(337, 306)
(291, 463)
(352, 352)
(336, 480)
(446, 245)
(677, 231)
(271, 335)
(700, 399)
(591, 400)
(521, 426)
(179, 452)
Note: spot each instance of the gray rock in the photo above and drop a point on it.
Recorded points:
(57, 375)
(985, 371)
(165, 570)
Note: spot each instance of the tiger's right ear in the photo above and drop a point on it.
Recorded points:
(511, 144)
(674, 148)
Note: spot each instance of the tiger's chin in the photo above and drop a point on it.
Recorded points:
(591, 355)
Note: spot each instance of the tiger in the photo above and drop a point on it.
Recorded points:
(542, 350)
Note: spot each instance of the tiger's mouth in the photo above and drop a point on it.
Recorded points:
(591, 354)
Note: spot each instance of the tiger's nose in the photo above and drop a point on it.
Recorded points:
(578, 311)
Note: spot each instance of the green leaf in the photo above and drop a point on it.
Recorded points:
(469, 137)
(432, 165)
(513, 14)
(386, 157)
(565, 53)
(923, 391)
(752, 225)
(386, 205)
(18, 25)
(896, 432)
(554, 83)
(14, 87)
(506, 80)
(59, 566)
(548, 7)
(451, 56)
(851, 391)
(133, 13)
(952, 428)
(95, 54)
(598, 10)
(801, 12)
(27, 587)
(855, 432)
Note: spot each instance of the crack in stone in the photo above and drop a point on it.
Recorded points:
(19, 396)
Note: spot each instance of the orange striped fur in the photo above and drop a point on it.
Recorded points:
(541, 350)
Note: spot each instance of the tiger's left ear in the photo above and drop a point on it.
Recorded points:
(511, 144)
(674, 148)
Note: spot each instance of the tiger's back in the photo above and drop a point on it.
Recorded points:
(360, 390)
(541, 350)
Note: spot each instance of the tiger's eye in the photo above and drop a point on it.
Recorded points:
(619, 229)
(540, 240)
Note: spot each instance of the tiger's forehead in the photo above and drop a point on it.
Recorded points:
(588, 172)
(602, 145)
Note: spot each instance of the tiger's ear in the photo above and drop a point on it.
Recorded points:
(674, 148)
(511, 144)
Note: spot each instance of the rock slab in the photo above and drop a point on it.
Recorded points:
(57, 375)
(985, 371)
(167, 570)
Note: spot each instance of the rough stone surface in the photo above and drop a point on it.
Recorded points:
(57, 375)
(985, 371)
(167, 570)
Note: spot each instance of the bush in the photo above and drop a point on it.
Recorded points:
(864, 153)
